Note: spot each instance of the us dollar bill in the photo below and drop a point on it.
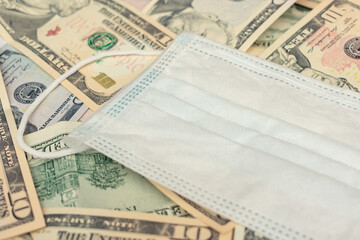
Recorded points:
(95, 224)
(20, 210)
(309, 3)
(91, 224)
(90, 179)
(292, 16)
(2, 42)
(139, 4)
(57, 36)
(324, 45)
(24, 81)
(232, 22)
(210, 218)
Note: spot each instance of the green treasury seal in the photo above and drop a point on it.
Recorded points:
(102, 41)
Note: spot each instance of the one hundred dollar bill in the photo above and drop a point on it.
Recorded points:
(309, 3)
(324, 45)
(90, 179)
(24, 81)
(210, 218)
(232, 22)
(294, 14)
(94, 224)
(20, 210)
(57, 36)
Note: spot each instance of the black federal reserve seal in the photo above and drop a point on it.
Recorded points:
(352, 48)
(102, 41)
(27, 92)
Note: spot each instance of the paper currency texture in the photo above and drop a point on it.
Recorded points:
(57, 37)
(231, 22)
(91, 224)
(293, 15)
(309, 3)
(208, 217)
(91, 179)
(24, 81)
(20, 210)
(324, 45)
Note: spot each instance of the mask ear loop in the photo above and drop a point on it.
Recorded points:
(51, 87)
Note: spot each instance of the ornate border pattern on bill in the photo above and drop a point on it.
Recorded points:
(323, 45)
(78, 223)
(20, 210)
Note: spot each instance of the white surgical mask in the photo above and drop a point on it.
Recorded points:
(250, 140)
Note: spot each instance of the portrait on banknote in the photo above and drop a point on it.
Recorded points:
(219, 20)
(297, 61)
(180, 16)
(27, 16)
(324, 46)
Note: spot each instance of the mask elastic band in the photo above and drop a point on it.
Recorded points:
(53, 85)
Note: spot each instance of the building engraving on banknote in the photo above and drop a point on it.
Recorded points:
(319, 46)
(62, 177)
(91, 179)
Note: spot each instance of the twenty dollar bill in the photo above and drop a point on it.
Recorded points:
(324, 45)
(20, 210)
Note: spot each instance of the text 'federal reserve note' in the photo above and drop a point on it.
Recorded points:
(20, 210)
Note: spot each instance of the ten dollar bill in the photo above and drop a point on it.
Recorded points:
(210, 218)
(57, 40)
(309, 3)
(20, 210)
(24, 81)
(90, 179)
(235, 23)
(93, 224)
(324, 45)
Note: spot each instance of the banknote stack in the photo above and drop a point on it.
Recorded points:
(88, 195)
